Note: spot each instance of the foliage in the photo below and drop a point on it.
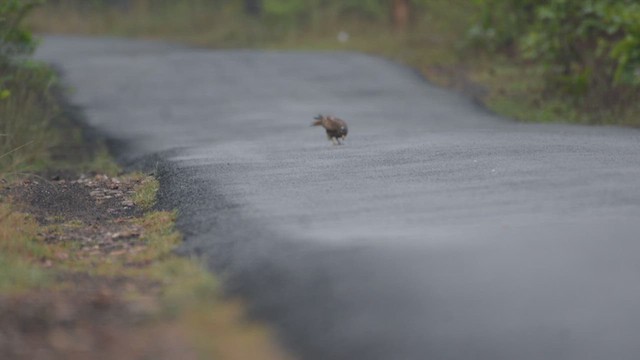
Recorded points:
(588, 39)
(503, 21)
(588, 47)
(292, 13)
(14, 40)
(25, 116)
(585, 53)
(35, 130)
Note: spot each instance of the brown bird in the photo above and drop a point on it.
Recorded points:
(336, 128)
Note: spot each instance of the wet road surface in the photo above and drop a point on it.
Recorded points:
(439, 231)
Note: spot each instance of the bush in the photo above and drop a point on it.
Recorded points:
(589, 48)
(26, 103)
(595, 40)
(502, 22)
(25, 116)
(14, 40)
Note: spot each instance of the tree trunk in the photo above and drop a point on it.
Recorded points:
(400, 13)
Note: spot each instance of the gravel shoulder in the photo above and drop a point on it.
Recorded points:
(110, 286)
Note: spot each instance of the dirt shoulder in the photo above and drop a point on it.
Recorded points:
(89, 272)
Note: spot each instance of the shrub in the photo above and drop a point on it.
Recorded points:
(590, 49)
(26, 104)
(14, 40)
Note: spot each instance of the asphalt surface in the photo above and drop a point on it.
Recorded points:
(439, 231)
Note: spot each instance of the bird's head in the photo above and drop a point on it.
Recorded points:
(318, 119)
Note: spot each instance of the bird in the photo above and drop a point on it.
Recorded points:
(336, 128)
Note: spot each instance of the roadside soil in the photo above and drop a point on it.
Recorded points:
(115, 290)
(87, 220)
(90, 219)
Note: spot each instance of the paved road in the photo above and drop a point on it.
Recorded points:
(439, 231)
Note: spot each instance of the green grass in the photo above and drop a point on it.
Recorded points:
(36, 131)
(160, 236)
(17, 275)
(98, 161)
(20, 250)
(26, 113)
(145, 191)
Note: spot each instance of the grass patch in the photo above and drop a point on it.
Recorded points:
(511, 88)
(224, 331)
(100, 161)
(145, 193)
(160, 237)
(38, 132)
(20, 251)
(26, 114)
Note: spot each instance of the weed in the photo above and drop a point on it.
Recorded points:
(160, 236)
(25, 118)
(20, 250)
(100, 162)
(145, 192)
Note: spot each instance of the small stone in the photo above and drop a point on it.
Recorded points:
(125, 234)
(118, 252)
(96, 193)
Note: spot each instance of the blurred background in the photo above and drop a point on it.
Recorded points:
(575, 61)
(572, 61)
(534, 60)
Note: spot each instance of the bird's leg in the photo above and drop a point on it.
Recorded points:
(335, 141)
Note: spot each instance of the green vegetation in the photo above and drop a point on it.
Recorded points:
(551, 60)
(20, 247)
(26, 104)
(35, 129)
(587, 54)
(145, 192)
(14, 40)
